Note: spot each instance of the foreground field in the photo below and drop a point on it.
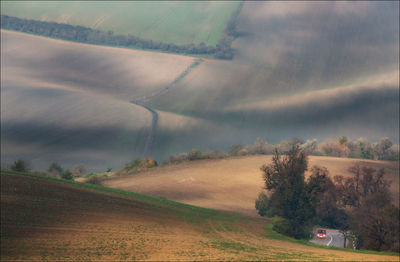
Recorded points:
(49, 219)
(229, 184)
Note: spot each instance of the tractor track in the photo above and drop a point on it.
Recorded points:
(141, 101)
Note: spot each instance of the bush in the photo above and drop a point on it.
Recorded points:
(55, 170)
(67, 175)
(281, 225)
(95, 180)
(262, 204)
(20, 166)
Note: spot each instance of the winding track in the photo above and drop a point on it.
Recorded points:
(152, 132)
(142, 100)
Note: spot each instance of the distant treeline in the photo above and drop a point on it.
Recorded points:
(384, 149)
(83, 34)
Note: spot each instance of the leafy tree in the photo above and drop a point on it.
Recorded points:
(373, 218)
(67, 175)
(195, 155)
(376, 222)
(334, 148)
(20, 165)
(79, 170)
(284, 179)
(261, 146)
(382, 148)
(310, 146)
(343, 140)
(55, 169)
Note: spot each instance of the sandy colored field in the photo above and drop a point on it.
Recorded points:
(49, 220)
(229, 184)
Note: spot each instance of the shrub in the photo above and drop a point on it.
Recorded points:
(281, 225)
(20, 166)
(334, 148)
(67, 175)
(262, 204)
(55, 170)
(95, 180)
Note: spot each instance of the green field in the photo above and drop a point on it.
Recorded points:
(165, 21)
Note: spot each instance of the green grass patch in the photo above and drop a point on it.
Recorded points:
(170, 22)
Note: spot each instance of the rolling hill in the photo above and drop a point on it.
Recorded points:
(51, 219)
(231, 184)
(325, 70)
(70, 103)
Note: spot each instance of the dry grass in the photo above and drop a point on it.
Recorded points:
(44, 219)
(228, 184)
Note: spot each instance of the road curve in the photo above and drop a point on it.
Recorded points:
(150, 137)
(333, 238)
(140, 101)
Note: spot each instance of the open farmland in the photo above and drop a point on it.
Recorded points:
(311, 70)
(70, 103)
(280, 84)
(231, 184)
(49, 219)
(165, 21)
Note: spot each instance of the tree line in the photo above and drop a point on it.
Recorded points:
(360, 206)
(383, 149)
(88, 35)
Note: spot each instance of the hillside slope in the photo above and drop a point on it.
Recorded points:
(49, 219)
(70, 103)
(230, 184)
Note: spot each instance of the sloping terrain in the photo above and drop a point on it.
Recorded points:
(155, 20)
(311, 70)
(305, 69)
(49, 219)
(70, 103)
(231, 184)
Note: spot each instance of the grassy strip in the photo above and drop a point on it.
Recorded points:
(271, 234)
(198, 212)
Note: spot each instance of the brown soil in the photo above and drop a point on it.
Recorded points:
(48, 220)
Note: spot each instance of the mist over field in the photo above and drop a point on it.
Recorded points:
(306, 69)
(300, 69)
(200, 130)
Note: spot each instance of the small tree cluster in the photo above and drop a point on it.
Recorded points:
(361, 148)
(138, 165)
(20, 165)
(56, 170)
(360, 204)
(195, 154)
(374, 219)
